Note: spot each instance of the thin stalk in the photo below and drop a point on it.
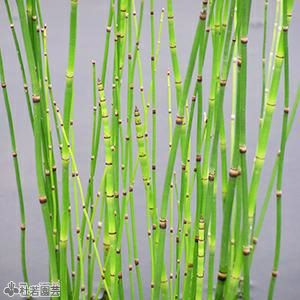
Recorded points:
(38, 140)
(68, 100)
(17, 45)
(282, 152)
(17, 170)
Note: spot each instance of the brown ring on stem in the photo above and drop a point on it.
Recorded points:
(246, 251)
(43, 199)
(259, 157)
(223, 82)
(211, 177)
(279, 56)
(36, 98)
(198, 158)
(222, 276)
(243, 149)
(203, 15)
(244, 40)
(239, 62)
(162, 223)
(179, 120)
(234, 172)
(274, 273)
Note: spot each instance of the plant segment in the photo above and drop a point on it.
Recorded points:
(88, 259)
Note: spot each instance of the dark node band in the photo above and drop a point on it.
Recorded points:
(223, 82)
(43, 199)
(285, 28)
(222, 276)
(243, 149)
(162, 223)
(198, 158)
(244, 40)
(234, 172)
(274, 274)
(211, 177)
(36, 98)
(203, 15)
(246, 251)
(179, 120)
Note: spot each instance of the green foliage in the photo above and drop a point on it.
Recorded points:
(185, 213)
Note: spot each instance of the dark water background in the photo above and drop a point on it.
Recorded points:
(91, 30)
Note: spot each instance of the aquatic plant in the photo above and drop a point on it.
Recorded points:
(88, 226)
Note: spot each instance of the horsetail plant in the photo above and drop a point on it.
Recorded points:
(92, 231)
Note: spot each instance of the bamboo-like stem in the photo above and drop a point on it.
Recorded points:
(107, 224)
(173, 50)
(145, 168)
(112, 230)
(37, 138)
(17, 45)
(85, 213)
(17, 170)
(266, 124)
(284, 132)
(176, 137)
(267, 198)
(152, 202)
(68, 100)
(263, 63)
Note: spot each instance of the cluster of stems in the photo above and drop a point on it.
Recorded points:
(87, 230)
